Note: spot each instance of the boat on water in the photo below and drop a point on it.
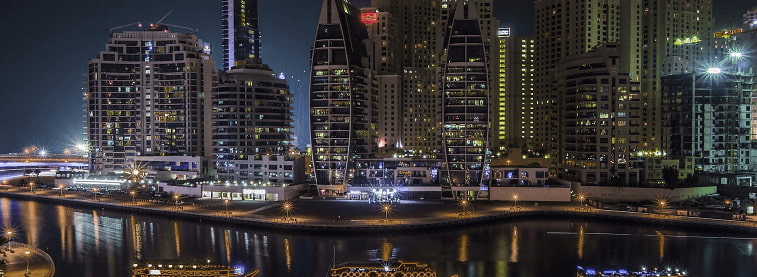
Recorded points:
(192, 270)
(622, 272)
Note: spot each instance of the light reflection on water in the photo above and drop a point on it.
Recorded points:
(87, 242)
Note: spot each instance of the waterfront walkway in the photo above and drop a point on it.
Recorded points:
(355, 215)
(26, 260)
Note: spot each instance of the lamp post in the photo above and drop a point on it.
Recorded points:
(581, 199)
(386, 208)
(31, 187)
(287, 207)
(176, 201)
(94, 193)
(61, 190)
(9, 236)
(133, 193)
(27, 261)
(226, 204)
(515, 200)
(464, 204)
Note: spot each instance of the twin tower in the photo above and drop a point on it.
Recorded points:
(401, 79)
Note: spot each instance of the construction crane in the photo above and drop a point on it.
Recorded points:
(156, 26)
(110, 30)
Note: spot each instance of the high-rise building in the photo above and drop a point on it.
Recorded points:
(241, 32)
(252, 117)
(342, 98)
(148, 94)
(572, 27)
(415, 39)
(708, 120)
(676, 40)
(465, 89)
(600, 107)
(385, 54)
(513, 105)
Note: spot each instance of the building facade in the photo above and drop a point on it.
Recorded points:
(676, 40)
(709, 119)
(252, 117)
(513, 105)
(601, 111)
(572, 27)
(241, 32)
(465, 89)
(342, 97)
(148, 94)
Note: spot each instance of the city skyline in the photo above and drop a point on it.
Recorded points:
(68, 35)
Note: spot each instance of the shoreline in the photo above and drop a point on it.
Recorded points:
(411, 224)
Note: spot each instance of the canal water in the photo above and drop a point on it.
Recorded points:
(96, 242)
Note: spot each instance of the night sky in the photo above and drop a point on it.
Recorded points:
(46, 44)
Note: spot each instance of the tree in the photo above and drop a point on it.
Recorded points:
(670, 175)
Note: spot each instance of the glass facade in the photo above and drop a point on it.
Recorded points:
(342, 100)
(465, 101)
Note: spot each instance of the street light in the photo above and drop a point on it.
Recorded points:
(31, 187)
(464, 204)
(287, 206)
(27, 261)
(226, 203)
(515, 200)
(9, 236)
(581, 198)
(61, 190)
(176, 200)
(133, 193)
(386, 208)
(94, 193)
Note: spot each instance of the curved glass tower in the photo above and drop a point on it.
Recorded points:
(342, 117)
(465, 99)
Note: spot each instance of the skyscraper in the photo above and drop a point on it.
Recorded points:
(572, 27)
(148, 94)
(708, 123)
(241, 32)
(411, 28)
(600, 107)
(342, 97)
(513, 110)
(465, 88)
(676, 40)
(252, 117)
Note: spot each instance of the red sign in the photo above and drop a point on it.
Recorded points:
(369, 18)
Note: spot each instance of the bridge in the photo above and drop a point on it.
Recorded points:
(16, 165)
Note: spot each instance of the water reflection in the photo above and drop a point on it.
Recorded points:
(85, 242)
(514, 245)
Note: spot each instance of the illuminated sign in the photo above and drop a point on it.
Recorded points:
(369, 18)
(154, 272)
(728, 33)
(692, 39)
(503, 32)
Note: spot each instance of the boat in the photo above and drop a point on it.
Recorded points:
(622, 272)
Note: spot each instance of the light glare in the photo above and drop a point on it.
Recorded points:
(714, 70)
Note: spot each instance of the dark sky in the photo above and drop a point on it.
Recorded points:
(46, 45)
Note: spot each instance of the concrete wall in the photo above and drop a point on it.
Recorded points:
(630, 194)
(191, 191)
(549, 194)
(286, 193)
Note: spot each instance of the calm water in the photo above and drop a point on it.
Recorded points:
(86, 242)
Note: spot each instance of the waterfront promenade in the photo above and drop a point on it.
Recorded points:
(359, 216)
(26, 260)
